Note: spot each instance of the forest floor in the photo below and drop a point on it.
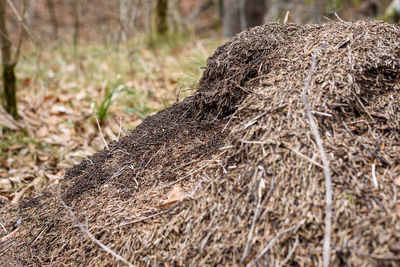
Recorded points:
(60, 95)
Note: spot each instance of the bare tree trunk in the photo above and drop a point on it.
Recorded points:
(148, 6)
(319, 9)
(53, 18)
(241, 14)
(231, 18)
(103, 22)
(201, 8)
(30, 12)
(9, 81)
(76, 13)
(162, 17)
(220, 9)
(123, 17)
(178, 25)
(133, 17)
(255, 11)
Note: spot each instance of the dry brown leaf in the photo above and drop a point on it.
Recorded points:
(54, 178)
(177, 194)
(4, 163)
(8, 121)
(42, 132)
(5, 185)
(58, 110)
(15, 147)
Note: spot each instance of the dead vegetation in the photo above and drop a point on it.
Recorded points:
(242, 150)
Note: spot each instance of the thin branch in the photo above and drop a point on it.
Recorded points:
(374, 180)
(287, 17)
(289, 255)
(141, 220)
(250, 236)
(121, 128)
(272, 242)
(101, 133)
(305, 157)
(21, 33)
(20, 20)
(5, 230)
(84, 230)
(327, 172)
(379, 258)
(193, 172)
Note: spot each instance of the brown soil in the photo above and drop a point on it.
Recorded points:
(242, 150)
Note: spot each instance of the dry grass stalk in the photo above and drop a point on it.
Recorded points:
(101, 132)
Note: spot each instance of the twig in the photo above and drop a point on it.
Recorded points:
(191, 173)
(305, 157)
(5, 230)
(375, 154)
(327, 172)
(250, 236)
(375, 257)
(21, 193)
(272, 242)
(337, 16)
(101, 133)
(84, 230)
(152, 157)
(20, 19)
(374, 180)
(268, 142)
(287, 16)
(289, 255)
(120, 127)
(142, 219)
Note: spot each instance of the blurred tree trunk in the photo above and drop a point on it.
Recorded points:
(176, 22)
(239, 15)
(148, 7)
(9, 80)
(76, 14)
(201, 8)
(319, 9)
(162, 17)
(255, 11)
(30, 12)
(103, 21)
(392, 13)
(133, 17)
(53, 18)
(220, 9)
(231, 18)
(123, 17)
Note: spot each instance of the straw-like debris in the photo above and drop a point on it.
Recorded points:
(250, 175)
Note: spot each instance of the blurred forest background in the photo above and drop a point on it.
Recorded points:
(77, 74)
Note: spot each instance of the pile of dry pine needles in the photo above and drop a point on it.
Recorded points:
(233, 174)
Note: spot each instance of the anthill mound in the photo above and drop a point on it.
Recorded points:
(232, 175)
